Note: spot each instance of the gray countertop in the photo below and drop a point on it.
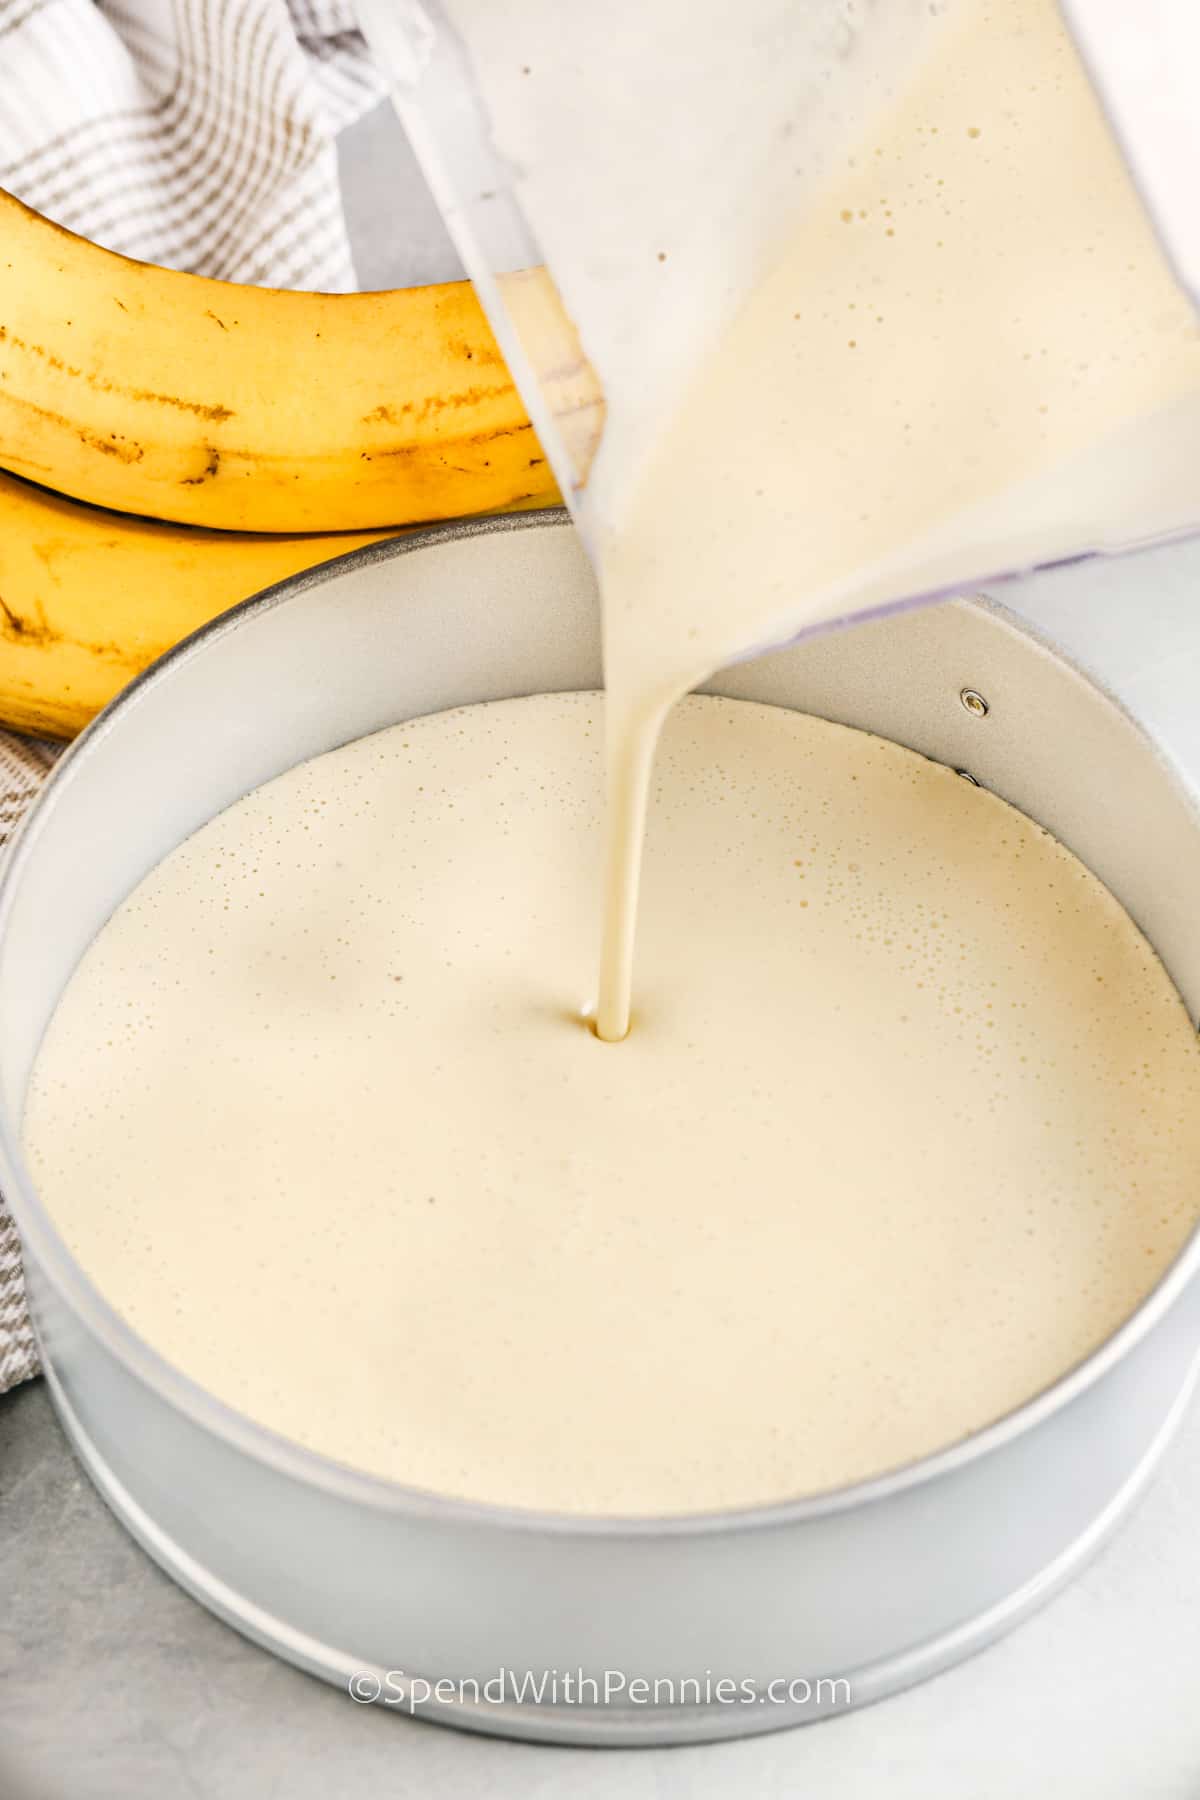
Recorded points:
(115, 1686)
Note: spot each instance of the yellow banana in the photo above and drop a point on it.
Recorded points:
(88, 598)
(252, 409)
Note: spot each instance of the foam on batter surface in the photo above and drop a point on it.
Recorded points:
(907, 1123)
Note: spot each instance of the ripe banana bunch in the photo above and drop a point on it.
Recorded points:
(256, 433)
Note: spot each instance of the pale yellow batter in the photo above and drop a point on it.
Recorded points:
(908, 1120)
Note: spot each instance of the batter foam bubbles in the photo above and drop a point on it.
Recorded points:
(907, 1124)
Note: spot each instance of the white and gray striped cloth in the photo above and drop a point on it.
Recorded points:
(24, 765)
(199, 134)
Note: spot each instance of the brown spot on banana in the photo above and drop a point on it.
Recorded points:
(101, 384)
(471, 440)
(215, 415)
(480, 354)
(123, 451)
(112, 445)
(211, 465)
(18, 630)
(430, 408)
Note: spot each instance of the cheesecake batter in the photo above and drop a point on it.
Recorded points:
(907, 1122)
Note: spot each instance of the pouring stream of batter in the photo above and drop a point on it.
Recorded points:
(969, 356)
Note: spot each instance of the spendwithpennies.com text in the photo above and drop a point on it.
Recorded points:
(575, 1687)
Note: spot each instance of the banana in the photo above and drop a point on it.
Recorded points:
(88, 598)
(253, 409)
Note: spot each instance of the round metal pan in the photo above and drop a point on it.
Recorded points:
(866, 1589)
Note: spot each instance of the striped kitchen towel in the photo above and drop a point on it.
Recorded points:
(199, 134)
(194, 133)
(24, 765)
